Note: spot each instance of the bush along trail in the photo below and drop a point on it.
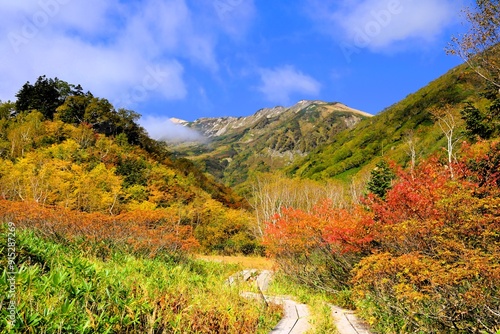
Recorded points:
(296, 318)
(419, 254)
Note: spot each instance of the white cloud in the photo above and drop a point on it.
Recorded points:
(164, 80)
(162, 128)
(84, 17)
(56, 16)
(279, 83)
(125, 78)
(169, 27)
(125, 52)
(383, 24)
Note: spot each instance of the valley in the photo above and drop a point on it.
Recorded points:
(314, 217)
(270, 139)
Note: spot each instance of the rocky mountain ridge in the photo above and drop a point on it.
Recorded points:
(267, 140)
(220, 126)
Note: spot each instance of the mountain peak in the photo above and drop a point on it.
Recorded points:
(178, 121)
(220, 126)
(309, 102)
(271, 138)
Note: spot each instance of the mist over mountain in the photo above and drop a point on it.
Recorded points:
(170, 130)
(267, 140)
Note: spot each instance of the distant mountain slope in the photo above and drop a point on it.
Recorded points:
(47, 161)
(385, 135)
(258, 123)
(270, 139)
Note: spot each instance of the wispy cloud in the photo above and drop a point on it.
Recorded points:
(382, 25)
(110, 47)
(234, 16)
(162, 128)
(279, 84)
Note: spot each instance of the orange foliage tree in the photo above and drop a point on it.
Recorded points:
(319, 247)
(436, 266)
(142, 232)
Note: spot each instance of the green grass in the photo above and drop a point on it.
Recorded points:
(60, 289)
(347, 176)
(257, 262)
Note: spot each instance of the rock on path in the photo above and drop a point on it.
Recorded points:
(296, 316)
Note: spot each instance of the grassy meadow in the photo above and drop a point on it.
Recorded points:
(62, 288)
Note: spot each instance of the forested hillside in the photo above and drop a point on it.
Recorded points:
(322, 141)
(409, 127)
(67, 151)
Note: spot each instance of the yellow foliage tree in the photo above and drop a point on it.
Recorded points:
(96, 190)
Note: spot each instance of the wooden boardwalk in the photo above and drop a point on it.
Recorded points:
(295, 320)
(296, 316)
(347, 322)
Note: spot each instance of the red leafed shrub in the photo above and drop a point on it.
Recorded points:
(145, 232)
(413, 196)
(320, 247)
(436, 266)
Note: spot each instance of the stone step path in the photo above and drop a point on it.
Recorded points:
(242, 276)
(264, 279)
(296, 316)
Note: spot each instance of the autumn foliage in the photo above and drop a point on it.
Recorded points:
(319, 247)
(426, 258)
(86, 183)
(142, 232)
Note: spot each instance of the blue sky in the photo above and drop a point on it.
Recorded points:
(206, 58)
